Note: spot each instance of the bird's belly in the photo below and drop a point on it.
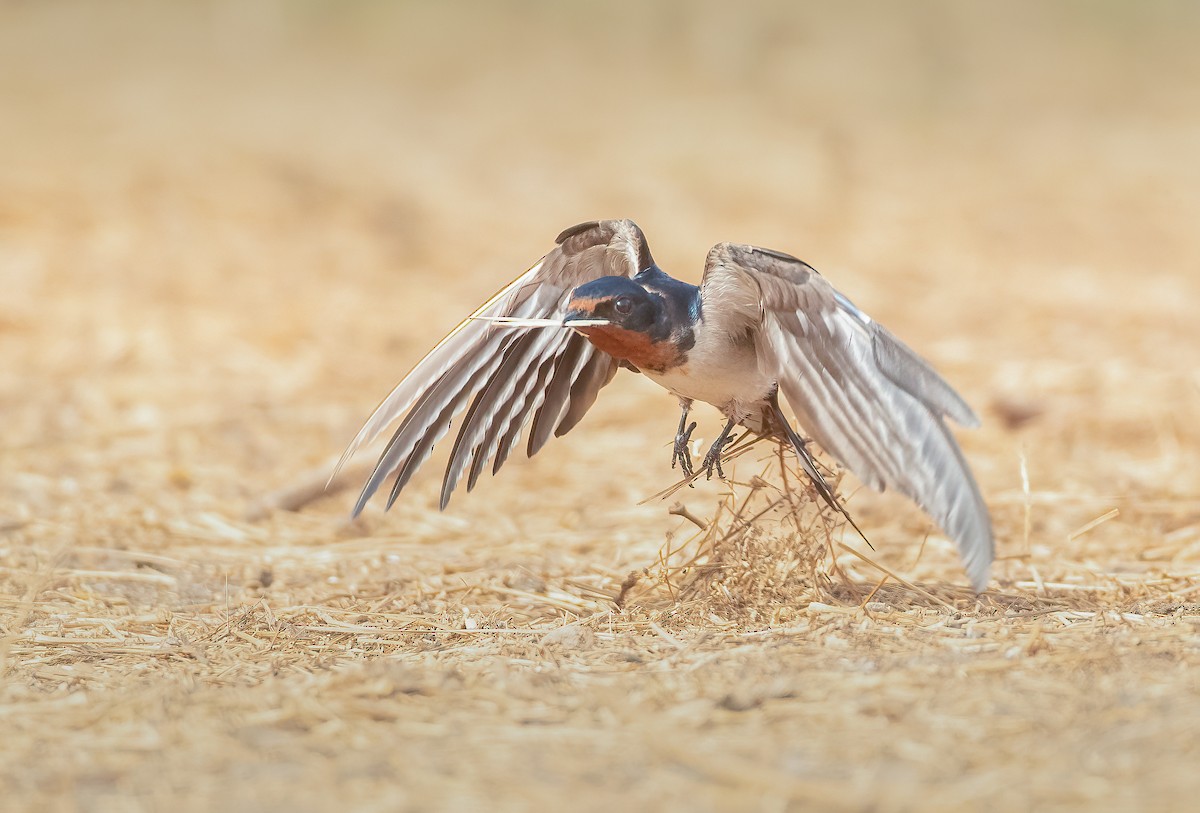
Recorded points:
(732, 383)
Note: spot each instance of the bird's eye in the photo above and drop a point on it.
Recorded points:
(623, 305)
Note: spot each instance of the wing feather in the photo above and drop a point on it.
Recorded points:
(507, 376)
(594, 376)
(427, 422)
(864, 396)
(557, 392)
(492, 407)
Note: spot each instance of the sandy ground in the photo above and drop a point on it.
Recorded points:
(227, 229)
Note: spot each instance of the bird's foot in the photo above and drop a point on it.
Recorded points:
(681, 454)
(712, 460)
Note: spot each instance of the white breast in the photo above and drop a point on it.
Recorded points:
(719, 373)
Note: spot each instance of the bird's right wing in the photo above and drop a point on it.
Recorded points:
(869, 400)
(509, 376)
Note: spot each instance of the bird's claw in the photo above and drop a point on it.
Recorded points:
(712, 460)
(682, 455)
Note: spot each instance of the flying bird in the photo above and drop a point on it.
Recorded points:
(762, 327)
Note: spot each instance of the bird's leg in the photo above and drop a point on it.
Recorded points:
(712, 460)
(683, 436)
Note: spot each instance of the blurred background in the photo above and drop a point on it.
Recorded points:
(228, 228)
(212, 208)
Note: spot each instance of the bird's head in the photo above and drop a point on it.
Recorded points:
(624, 320)
(618, 300)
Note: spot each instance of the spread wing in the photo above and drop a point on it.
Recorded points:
(869, 400)
(509, 377)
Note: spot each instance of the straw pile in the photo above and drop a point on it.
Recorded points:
(213, 268)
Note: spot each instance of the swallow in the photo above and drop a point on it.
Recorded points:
(761, 328)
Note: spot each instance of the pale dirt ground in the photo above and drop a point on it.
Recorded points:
(227, 229)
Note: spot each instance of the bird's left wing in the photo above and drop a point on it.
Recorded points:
(866, 398)
(509, 376)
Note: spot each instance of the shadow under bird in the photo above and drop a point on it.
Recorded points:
(761, 324)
